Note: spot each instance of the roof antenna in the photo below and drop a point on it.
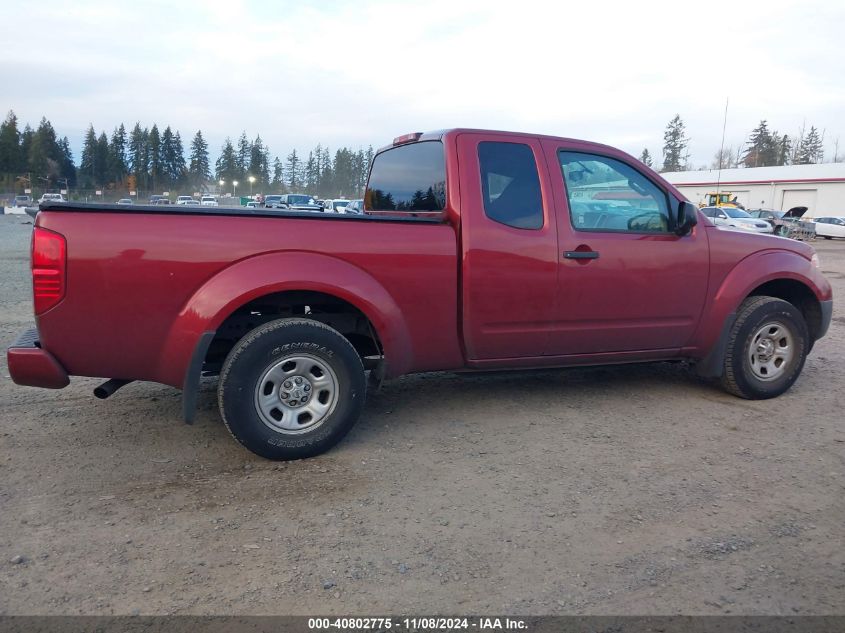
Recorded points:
(722, 150)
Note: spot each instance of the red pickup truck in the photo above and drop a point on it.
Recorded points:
(478, 250)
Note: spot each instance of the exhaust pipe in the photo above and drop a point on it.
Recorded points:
(109, 387)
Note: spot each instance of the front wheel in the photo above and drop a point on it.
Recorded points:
(291, 388)
(768, 345)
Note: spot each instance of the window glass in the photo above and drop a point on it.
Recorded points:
(510, 184)
(608, 195)
(408, 178)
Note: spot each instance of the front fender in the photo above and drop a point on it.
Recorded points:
(269, 273)
(748, 274)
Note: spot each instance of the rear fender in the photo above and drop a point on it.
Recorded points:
(261, 275)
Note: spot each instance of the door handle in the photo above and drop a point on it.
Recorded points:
(580, 254)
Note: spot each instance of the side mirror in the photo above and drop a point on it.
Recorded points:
(687, 218)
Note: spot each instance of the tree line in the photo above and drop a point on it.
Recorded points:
(34, 157)
(764, 148)
(149, 159)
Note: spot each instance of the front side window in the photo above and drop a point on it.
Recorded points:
(510, 185)
(606, 194)
(408, 178)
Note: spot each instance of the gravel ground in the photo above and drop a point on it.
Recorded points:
(595, 491)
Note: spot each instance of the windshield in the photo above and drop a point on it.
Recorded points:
(299, 200)
(735, 213)
(272, 198)
(339, 203)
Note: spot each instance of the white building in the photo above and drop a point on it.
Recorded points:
(820, 188)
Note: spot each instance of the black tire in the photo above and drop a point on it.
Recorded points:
(827, 237)
(742, 375)
(782, 231)
(266, 349)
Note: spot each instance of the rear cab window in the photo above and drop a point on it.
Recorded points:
(510, 184)
(408, 179)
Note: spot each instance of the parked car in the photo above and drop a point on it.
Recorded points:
(298, 202)
(191, 203)
(783, 221)
(22, 201)
(292, 311)
(125, 201)
(51, 197)
(339, 205)
(209, 201)
(253, 204)
(160, 201)
(829, 227)
(355, 207)
(273, 201)
(736, 218)
(186, 200)
(156, 197)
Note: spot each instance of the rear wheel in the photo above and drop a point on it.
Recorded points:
(767, 348)
(291, 388)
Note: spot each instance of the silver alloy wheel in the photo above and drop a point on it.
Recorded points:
(296, 394)
(770, 351)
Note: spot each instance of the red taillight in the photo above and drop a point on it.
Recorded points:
(49, 257)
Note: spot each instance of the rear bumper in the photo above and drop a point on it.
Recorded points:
(32, 366)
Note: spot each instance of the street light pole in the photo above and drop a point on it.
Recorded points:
(222, 184)
(234, 187)
(251, 182)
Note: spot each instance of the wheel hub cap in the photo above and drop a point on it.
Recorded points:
(771, 350)
(296, 393)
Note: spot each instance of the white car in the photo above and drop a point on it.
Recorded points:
(51, 197)
(830, 226)
(209, 201)
(355, 207)
(186, 200)
(337, 206)
(737, 219)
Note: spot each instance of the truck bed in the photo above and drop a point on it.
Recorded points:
(134, 272)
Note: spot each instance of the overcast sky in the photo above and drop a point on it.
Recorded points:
(359, 73)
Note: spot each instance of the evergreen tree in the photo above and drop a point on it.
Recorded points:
(675, 143)
(762, 147)
(139, 165)
(243, 154)
(67, 169)
(811, 150)
(10, 146)
(153, 147)
(294, 172)
(26, 142)
(87, 165)
(43, 156)
(645, 158)
(227, 167)
(117, 155)
(169, 161)
(258, 163)
(101, 161)
(784, 150)
(310, 173)
(278, 182)
(199, 169)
